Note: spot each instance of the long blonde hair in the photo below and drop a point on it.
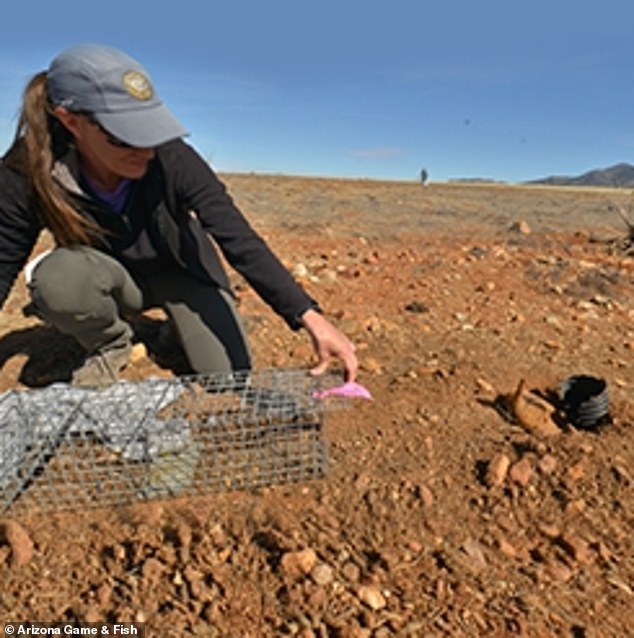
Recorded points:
(41, 135)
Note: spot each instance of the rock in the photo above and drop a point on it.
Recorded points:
(521, 227)
(559, 571)
(547, 464)
(139, 353)
(620, 471)
(152, 570)
(318, 598)
(371, 596)
(485, 386)
(19, 541)
(577, 471)
(521, 472)
(415, 546)
(104, 594)
(496, 470)
(550, 530)
(300, 270)
(192, 575)
(473, 550)
(604, 553)
(351, 572)
(536, 415)
(577, 548)
(352, 630)
(426, 496)
(118, 552)
(576, 506)
(322, 574)
(507, 548)
(329, 276)
(298, 564)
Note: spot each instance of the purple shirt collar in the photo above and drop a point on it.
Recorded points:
(117, 198)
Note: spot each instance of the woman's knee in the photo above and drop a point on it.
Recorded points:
(59, 281)
(73, 279)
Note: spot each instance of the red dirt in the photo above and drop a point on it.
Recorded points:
(451, 302)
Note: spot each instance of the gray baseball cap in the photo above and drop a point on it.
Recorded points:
(118, 92)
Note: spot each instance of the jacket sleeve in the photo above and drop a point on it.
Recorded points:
(202, 191)
(19, 228)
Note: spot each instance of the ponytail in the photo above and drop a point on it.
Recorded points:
(43, 134)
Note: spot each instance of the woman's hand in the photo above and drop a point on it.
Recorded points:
(329, 342)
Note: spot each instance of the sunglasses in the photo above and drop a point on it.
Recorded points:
(111, 139)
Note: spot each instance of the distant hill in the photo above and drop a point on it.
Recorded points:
(619, 175)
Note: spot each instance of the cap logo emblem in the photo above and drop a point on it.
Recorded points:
(137, 85)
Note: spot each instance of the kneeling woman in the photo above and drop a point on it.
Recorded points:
(99, 161)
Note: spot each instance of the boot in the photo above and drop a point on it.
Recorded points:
(101, 368)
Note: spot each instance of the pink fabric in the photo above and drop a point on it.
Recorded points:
(350, 390)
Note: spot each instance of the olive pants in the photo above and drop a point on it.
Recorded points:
(87, 294)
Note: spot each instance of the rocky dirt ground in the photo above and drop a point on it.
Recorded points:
(440, 515)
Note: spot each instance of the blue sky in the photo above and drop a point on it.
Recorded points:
(492, 89)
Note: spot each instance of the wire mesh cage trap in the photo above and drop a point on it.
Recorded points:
(69, 448)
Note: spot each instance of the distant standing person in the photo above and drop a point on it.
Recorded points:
(100, 161)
